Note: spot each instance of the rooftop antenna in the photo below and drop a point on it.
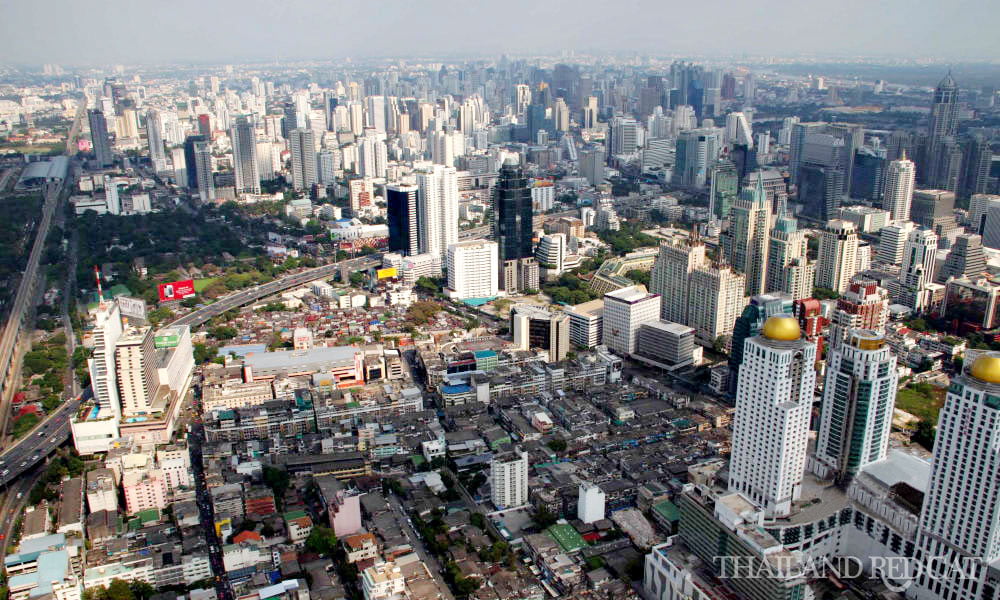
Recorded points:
(100, 291)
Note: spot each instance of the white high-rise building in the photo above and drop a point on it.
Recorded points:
(918, 258)
(245, 163)
(107, 331)
(472, 270)
(716, 297)
(838, 255)
(376, 113)
(898, 196)
(786, 244)
(858, 400)
(625, 310)
(771, 425)
(738, 130)
(671, 276)
(135, 371)
(438, 209)
(590, 503)
(891, 241)
(509, 479)
(302, 145)
(960, 519)
(154, 137)
(203, 171)
(551, 253)
(372, 155)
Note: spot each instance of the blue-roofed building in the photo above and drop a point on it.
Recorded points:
(26, 557)
(52, 576)
(486, 360)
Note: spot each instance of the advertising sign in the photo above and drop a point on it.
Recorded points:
(386, 273)
(176, 290)
(132, 307)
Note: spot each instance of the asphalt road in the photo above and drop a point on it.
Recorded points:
(433, 565)
(196, 438)
(14, 503)
(242, 297)
(37, 444)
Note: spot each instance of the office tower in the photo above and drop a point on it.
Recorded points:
(592, 162)
(512, 218)
(785, 133)
(402, 208)
(917, 269)
(99, 138)
(245, 163)
(590, 503)
(560, 115)
(979, 207)
(551, 253)
(356, 117)
(671, 276)
(892, 240)
(205, 126)
(716, 295)
(509, 479)
(589, 113)
(437, 197)
(667, 345)
(372, 156)
(822, 178)
(178, 164)
(771, 425)
(302, 145)
(625, 310)
(960, 516)
(738, 130)
(696, 151)
(658, 125)
(203, 171)
(585, 323)
(977, 160)
(786, 244)
(967, 259)
(536, 120)
(745, 243)
(154, 137)
(294, 118)
(798, 134)
(941, 131)
(445, 145)
(763, 144)
(104, 384)
(868, 174)
(934, 209)
(624, 135)
(749, 87)
(898, 196)
(684, 119)
(327, 165)
(864, 305)
(859, 395)
(838, 252)
(472, 270)
(534, 327)
(749, 323)
(724, 189)
(135, 371)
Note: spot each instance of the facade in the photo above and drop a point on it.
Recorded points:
(585, 323)
(590, 503)
(696, 151)
(403, 212)
(537, 328)
(745, 243)
(899, 188)
(771, 425)
(892, 241)
(967, 259)
(205, 182)
(838, 255)
(715, 298)
(864, 305)
(509, 479)
(154, 138)
(302, 145)
(625, 310)
(671, 277)
(99, 138)
(748, 325)
(858, 400)
(135, 372)
(471, 270)
(512, 219)
(667, 345)
(786, 245)
(245, 163)
(437, 193)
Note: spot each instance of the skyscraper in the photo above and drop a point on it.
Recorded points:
(107, 331)
(858, 400)
(190, 162)
(696, 151)
(512, 219)
(716, 295)
(960, 516)
(135, 371)
(302, 144)
(245, 163)
(154, 137)
(864, 305)
(372, 155)
(941, 133)
(99, 138)
(838, 253)
(625, 310)
(472, 270)
(786, 244)
(967, 259)
(203, 171)
(624, 135)
(899, 188)
(402, 209)
(917, 269)
(749, 323)
(437, 196)
(771, 425)
(671, 277)
(745, 243)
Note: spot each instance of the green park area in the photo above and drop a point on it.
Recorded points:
(921, 400)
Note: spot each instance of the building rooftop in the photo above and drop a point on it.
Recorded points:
(280, 360)
(630, 294)
(900, 467)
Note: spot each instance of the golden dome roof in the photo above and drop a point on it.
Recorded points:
(781, 328)
(987, 367)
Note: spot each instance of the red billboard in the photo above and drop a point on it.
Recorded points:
(176, 290)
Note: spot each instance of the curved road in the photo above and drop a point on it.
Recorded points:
(243, 297)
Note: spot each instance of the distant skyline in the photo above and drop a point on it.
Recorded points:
(141, 31)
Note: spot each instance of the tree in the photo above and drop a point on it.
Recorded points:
(223, 332)
(429, 285)
(321, 540)
(557, 445)
(357, 278)
(639, 276)
(924, 434)
(634, 569)
(544, 518)
(141, 590)
(24, 424)
(204, 353)
(821, 293)
(478, 520)
(119, 589)
(278, 480)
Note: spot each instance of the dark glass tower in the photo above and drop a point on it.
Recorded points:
(189, 160)
(99, 138)
(512, 213)
(404, 224)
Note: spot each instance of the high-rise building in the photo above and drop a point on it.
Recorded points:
(745, 243)
(302, 145)
(979, 208)
(941, 132)
(771, 425)
(376, 113)
(589, 113)
(99, 138)
(551, 253)
(245, 164)
(154, 137)
(899, 188)
(859, 396)
(590, 503)
(190, 163)
(472, 270)
(786, 244)
(864, 305)
(512, 218)
(671, 275)
(203, 171)
(625, 310)
(624, 135)
(892, 240)
(107, 331)
(592, 164)
(509, 479)
(696, 151)
(437, 196)
(373, 157)
(967, 259)
(402, 208)
(536, 328)
(977, 161)
(749, 323)
(822, 179)
(960, 516)
(838, 252)
(135, 371)
(724, 189)
(716, 295)
(868, 174)
(917, 269)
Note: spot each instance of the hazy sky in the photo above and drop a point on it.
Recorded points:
(136, 31)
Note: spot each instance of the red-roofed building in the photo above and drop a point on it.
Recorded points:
(247, 536)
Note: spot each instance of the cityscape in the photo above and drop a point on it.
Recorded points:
(499, 310)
